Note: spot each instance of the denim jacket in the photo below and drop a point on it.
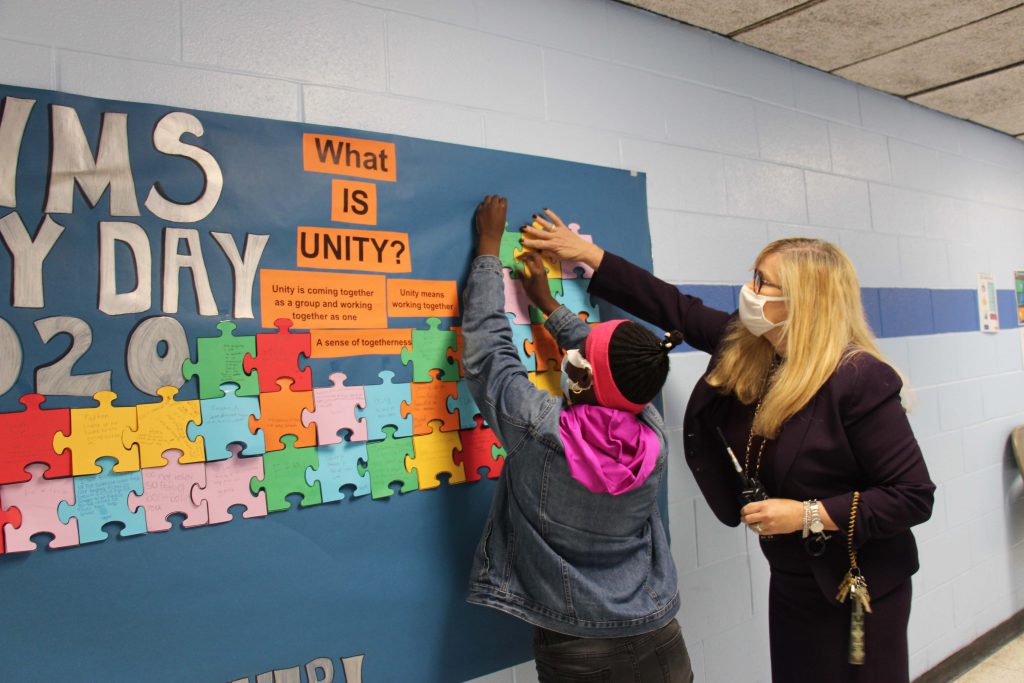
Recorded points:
(553, 553)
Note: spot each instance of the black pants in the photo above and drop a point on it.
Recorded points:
(656, 657)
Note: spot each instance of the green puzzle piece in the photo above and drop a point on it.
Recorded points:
(430, 351)
(284, 473)
(220, 361)
(385, 461)
(509, 245)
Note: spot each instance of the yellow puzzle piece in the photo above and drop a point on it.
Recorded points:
(549, 381)
(97, 432)
(164, 426)
(433, 454)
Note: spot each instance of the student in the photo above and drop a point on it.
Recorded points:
(797, 388)
(574, 543)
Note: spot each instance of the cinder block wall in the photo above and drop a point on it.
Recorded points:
(740, 147)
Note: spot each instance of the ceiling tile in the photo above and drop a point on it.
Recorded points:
(979, 47)
(1008, 119)
(978, 96)
(837, 33)
(720, 17)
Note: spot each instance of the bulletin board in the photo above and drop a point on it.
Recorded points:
(235, 439)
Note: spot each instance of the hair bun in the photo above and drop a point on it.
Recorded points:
(672, 340)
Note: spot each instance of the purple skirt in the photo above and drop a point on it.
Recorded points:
(810, 636)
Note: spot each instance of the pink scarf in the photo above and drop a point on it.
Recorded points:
(608, 450)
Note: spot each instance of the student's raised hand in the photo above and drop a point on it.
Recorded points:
(535, 282)
(553, 237)
(490, 223)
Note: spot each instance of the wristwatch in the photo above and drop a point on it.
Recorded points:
(816, 526)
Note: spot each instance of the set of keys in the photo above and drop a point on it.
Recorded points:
(855, 587)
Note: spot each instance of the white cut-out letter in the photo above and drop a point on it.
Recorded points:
(174, 262)
(28, 256)
(167, 139)
(140, 298)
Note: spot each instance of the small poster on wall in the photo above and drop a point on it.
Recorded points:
(1018, 288)
(988, 307)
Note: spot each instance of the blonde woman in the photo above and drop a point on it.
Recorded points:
(796, 430)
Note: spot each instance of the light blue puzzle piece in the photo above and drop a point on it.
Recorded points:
(226, 421)
(103, 498)
(341, 464)
(574, 297)
(520, 335)
(384, 407)
(465, 404)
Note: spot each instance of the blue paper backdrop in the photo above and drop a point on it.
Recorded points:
(380, 578)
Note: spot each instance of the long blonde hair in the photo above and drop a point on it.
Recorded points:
(825, 325)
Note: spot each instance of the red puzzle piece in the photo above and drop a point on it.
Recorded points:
(10, 516)
(27, 437)
(480, 448)
(277, 357)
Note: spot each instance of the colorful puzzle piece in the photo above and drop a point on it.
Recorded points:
(576, 269)
(284, 473)
(385, 461)
(336, 410)
(516, 300)
(225, 421)
(434, 454)
(341, 465)
(457, 354)
(168, 491)
(37, 501)
(384, 407)
(510, 242)
(282, 413)
(97, 433)
(544, 349)
(430, 403)
(8, 517)
(221, 360)
(27, 437)
(480, 449)
(277, 357)
(550, 381)
(164, 426)
(432, 349)
(551, 266)
(101, 499)
(228, 484)
(575, 297)
(463, 405)
(521, 334)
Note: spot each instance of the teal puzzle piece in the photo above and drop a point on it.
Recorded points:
(103, 498)
(384, 407)
(340, 465)
(225, 421)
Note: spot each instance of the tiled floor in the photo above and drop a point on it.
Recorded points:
(1006, 665)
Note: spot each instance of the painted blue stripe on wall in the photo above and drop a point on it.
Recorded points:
(895, 311)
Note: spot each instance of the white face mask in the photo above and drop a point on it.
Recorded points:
(752, 311)
(569, 388)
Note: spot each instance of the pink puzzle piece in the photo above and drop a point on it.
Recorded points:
(569, 267)
(227, 484)
(10, 516)
(516, 300)
(336, 410)
(167, 491)
(38, 499)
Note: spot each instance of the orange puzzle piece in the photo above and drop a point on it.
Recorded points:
(429, 404)
(281, 414)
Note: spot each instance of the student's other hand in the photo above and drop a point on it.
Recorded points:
(553, 237)
(490, 223)
(535, 282)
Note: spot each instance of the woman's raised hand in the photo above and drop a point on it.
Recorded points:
(554, 238)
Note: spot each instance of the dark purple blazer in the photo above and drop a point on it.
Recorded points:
(853, 436)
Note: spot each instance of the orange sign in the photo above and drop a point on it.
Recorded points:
(349, 156)
(344, 343)
(323, 300)
(353, 201)
(422, 298)
(342, 249)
